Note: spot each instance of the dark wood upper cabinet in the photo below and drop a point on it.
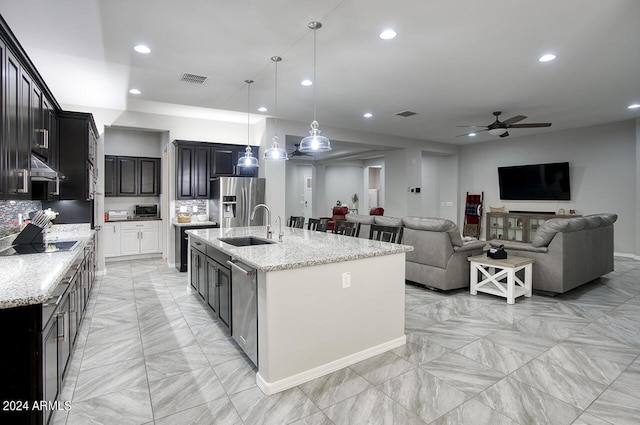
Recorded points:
(185, 171)
(198, 162)
(127, 176)
(149, 176)
(201, 172)
(77, 133)
(110, 175)
(223, 162)
(131, 176)
(16, 123)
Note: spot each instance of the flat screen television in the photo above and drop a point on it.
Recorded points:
(545, 182)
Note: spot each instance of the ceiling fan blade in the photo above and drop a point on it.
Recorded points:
(505, 134)
(513, 120)
(473, 132)
(531, 125)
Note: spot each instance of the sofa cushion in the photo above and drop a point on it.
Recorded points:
(362, 219)
(435, 225)
(387, 221)
(607, 218)
(593, 221)
(549, 228)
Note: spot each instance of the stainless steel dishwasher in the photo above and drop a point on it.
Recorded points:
(244, 308)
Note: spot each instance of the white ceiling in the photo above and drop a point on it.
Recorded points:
(453, 62)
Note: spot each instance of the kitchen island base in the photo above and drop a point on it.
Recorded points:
(318, 319)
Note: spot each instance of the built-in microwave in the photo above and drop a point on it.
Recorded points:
(146, 211)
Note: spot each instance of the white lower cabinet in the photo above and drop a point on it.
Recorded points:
(132, 238)
(111, 239)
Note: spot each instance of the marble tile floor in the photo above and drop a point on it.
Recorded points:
(149, 352)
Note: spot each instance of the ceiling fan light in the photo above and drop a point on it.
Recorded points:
(634, 106)
(497, 131)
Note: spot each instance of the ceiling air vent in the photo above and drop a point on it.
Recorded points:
(406, 114)
(193, 78)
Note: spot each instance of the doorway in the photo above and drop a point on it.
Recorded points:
(307, 203)
(374, 187)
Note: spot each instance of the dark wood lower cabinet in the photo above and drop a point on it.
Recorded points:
(211, 278)
(40, 339)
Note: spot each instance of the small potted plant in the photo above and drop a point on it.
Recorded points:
(354, 199)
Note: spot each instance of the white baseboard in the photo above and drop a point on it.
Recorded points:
(626, 255)
(270, 388)
(101, 272)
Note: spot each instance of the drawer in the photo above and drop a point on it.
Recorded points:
(132, 225)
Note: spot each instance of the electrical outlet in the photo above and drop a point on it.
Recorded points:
(346, 280)
(449, 204)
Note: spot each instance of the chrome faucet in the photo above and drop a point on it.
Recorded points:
(280, 234)
(253, 214)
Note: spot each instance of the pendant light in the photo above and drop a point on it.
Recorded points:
(314, 142)
(248, 160)
(275, 152)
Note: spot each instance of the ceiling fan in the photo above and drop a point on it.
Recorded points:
(500, 128)
(297, 152)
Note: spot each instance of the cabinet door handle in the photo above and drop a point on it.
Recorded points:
(63, 337)
(25, 181)
(234, 265)
(57, 191)
(53, 304)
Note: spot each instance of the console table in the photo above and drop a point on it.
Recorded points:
(519, 227)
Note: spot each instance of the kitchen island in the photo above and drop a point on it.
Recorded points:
(324, 301)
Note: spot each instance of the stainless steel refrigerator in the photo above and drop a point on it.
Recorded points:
(233, 199)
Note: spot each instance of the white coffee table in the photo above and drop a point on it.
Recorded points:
(495, 272)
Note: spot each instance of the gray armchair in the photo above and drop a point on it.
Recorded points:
(439, 258)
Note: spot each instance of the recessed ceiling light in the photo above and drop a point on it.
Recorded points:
(547, 58)
(135, 91)
(141, 48)
(262, 109)
(306, 82)
(472, 135)
(634, 106)
(368, 115)
(388, 34)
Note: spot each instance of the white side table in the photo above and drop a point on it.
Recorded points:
(495, 271)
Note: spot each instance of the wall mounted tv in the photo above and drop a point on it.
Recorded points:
(545, 182)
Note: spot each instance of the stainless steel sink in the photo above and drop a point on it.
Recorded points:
(245, 241)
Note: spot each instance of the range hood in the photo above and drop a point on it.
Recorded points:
(42, 172)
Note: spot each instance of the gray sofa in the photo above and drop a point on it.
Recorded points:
(439, 256)
(568, 251)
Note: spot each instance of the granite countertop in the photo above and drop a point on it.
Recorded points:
(30, 279)
(299, 248)
(194, 223)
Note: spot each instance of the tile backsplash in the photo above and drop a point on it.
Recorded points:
(201, 205)
(9, 211)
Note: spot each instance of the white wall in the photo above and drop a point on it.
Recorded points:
(603, 161)
(295, 187)
(341, 183)
(131, 142)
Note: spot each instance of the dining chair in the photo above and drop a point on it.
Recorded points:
(343, 227)
(318, 224)
(296, 221)
(382, 233)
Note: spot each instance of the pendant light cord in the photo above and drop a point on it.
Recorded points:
(248, 110)
(315, 30)
(276, 100)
